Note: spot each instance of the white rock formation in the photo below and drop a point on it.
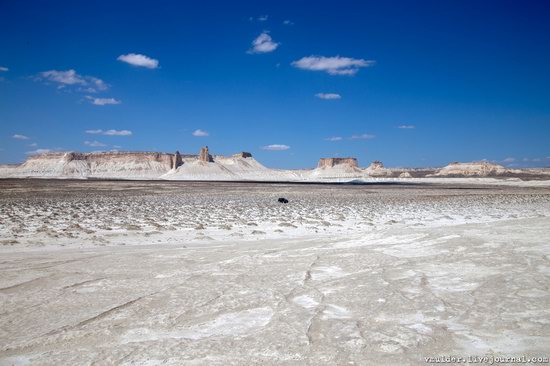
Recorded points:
(377, 169)
(114, 165)
(241, 167)
(336, 168)
(473, 169)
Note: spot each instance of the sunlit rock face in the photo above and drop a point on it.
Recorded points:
(376, 169)
(205, 156)
(478, 169)
(113, 164)
(332, 162)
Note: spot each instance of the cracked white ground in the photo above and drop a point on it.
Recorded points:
(147, 273)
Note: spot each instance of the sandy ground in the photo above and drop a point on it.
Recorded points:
(160, 273)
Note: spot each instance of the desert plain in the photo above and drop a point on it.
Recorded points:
(212, 273)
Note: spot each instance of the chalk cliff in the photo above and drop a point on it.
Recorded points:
(238, 167)
(123, 165)
(473, 169)
(332, 162)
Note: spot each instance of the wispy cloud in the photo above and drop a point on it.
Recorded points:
(139, 60)
(364, 136)
(38, 151)
(66, 78)
(336, 65)
(3, 69)
(200, 133)
(109, 132)
(288, 22)
(263, 44)
(334, 138)
(20, 137)
(276, 147)
(328, 96)
(96, 84)
(103, 101)
(509, 160)
(261, 18)
(407, 127)
(94, 143)
(69, 77)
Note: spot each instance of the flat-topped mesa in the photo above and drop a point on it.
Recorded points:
(476, 168)
(242, 154)
(205, 156)
(332, 162)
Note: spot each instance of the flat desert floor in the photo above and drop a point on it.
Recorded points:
(182, 273)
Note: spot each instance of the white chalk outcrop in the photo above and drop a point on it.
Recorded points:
(113, 165)
(377, 169)
(243, 167)
(233, 168)
(336, 168)
(473, 169)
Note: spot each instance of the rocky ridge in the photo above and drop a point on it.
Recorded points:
(238, 167)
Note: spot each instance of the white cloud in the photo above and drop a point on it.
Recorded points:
(332, 65)
(94, 143)
(70, 77)
(200, 133)
(4, 69)
(34, 144)
(117, 133)
(334, 138)
(288, 22)
(139, 60)
(263, 44)
(509, 160)
(38, 151)
(276, 147)
(407, 127)
(97, 83)
(20, 137)
(109, 132)
(364, 136)
(103, 101)
(261, 18)
(328, 96)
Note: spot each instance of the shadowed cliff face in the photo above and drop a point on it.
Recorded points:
(331, 162)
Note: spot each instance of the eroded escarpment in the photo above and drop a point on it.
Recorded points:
(332, 162)
(242, 166)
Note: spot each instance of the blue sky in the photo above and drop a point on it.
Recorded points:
(418, 83)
